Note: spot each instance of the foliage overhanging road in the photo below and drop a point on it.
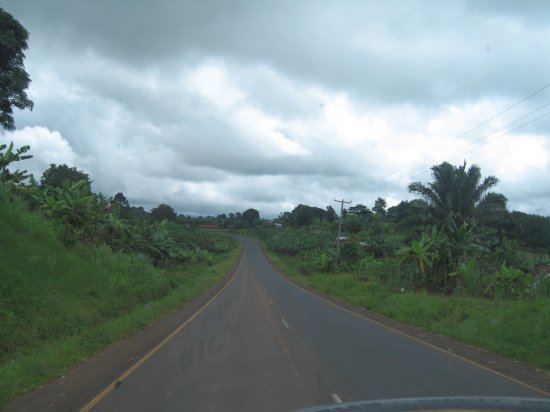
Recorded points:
(265, 344)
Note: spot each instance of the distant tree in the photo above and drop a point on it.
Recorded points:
(303, 215)
(331, 215)
(360, 210)
(121, 200)
(459, 194)
(285, 218)
(55, 175)
(163, 211)
(410, 216)
(251, 217)
(14, 80)
(532, 231)
(222, 220)
(353, 223)
(134, 213)
(379, 206)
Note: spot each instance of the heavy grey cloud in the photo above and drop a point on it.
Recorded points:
(217, 106)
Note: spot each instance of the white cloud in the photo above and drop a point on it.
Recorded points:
(272, 104)
(46, 147)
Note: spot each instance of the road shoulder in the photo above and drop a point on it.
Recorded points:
(517, 371)
(83, 382)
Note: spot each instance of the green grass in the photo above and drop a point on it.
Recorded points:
(59, 305)
(518, 329)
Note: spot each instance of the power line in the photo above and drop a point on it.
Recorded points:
(367, 187)
(461, 152)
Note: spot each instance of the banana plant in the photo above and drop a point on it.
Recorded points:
(8, 156)
(420, 256)
(418, 253)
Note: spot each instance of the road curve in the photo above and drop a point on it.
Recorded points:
(266, 345)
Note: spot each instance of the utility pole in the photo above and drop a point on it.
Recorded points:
(339, 231)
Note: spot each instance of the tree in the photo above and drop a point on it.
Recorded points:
(55, 175)
(251, 217)
(360, 210)
(331, 215)
(459, 194)
(379, 206)
(410, 216)
(304, 215)
(14, 80)
(121, 206)
(163, 211)
(532, 231)
(121, 200)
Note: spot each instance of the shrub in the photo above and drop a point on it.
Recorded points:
(508, 282)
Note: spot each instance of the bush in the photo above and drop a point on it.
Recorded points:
(469, 279)
(508, 282)
(386, 270)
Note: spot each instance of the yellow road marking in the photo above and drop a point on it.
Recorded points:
(139, 363)
(336, 398)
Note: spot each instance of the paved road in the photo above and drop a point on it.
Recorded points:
(266, 345)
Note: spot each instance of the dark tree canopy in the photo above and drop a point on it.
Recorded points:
(251, 216)
(359, 210)
(379, 206)
(121, 200)
(532, 231)
(331, 215)
(163, 211)
(55, 175)
(14, 80)
(303, 215)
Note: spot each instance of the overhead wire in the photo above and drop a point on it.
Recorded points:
(469, 130)
(461, 152)
(382, 182)
(376, 185)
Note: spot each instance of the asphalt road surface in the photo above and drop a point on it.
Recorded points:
(266, 345)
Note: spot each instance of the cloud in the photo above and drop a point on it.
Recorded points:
(219, 106)
(47, 147)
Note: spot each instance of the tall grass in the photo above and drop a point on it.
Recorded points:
(60, 305)
(48, 291)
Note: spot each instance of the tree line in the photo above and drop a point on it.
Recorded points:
(456, 237)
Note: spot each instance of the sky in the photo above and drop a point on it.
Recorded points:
(219, 106)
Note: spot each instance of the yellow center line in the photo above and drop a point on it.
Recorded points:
(116, 383)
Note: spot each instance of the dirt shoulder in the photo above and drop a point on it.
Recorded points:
(83, 382)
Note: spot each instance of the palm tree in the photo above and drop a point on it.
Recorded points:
(458, 194)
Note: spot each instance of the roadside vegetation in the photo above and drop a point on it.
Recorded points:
(69, 288)
(454, 261)
(80, 270)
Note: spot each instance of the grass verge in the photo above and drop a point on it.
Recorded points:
(60, 305)
(518, 329)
